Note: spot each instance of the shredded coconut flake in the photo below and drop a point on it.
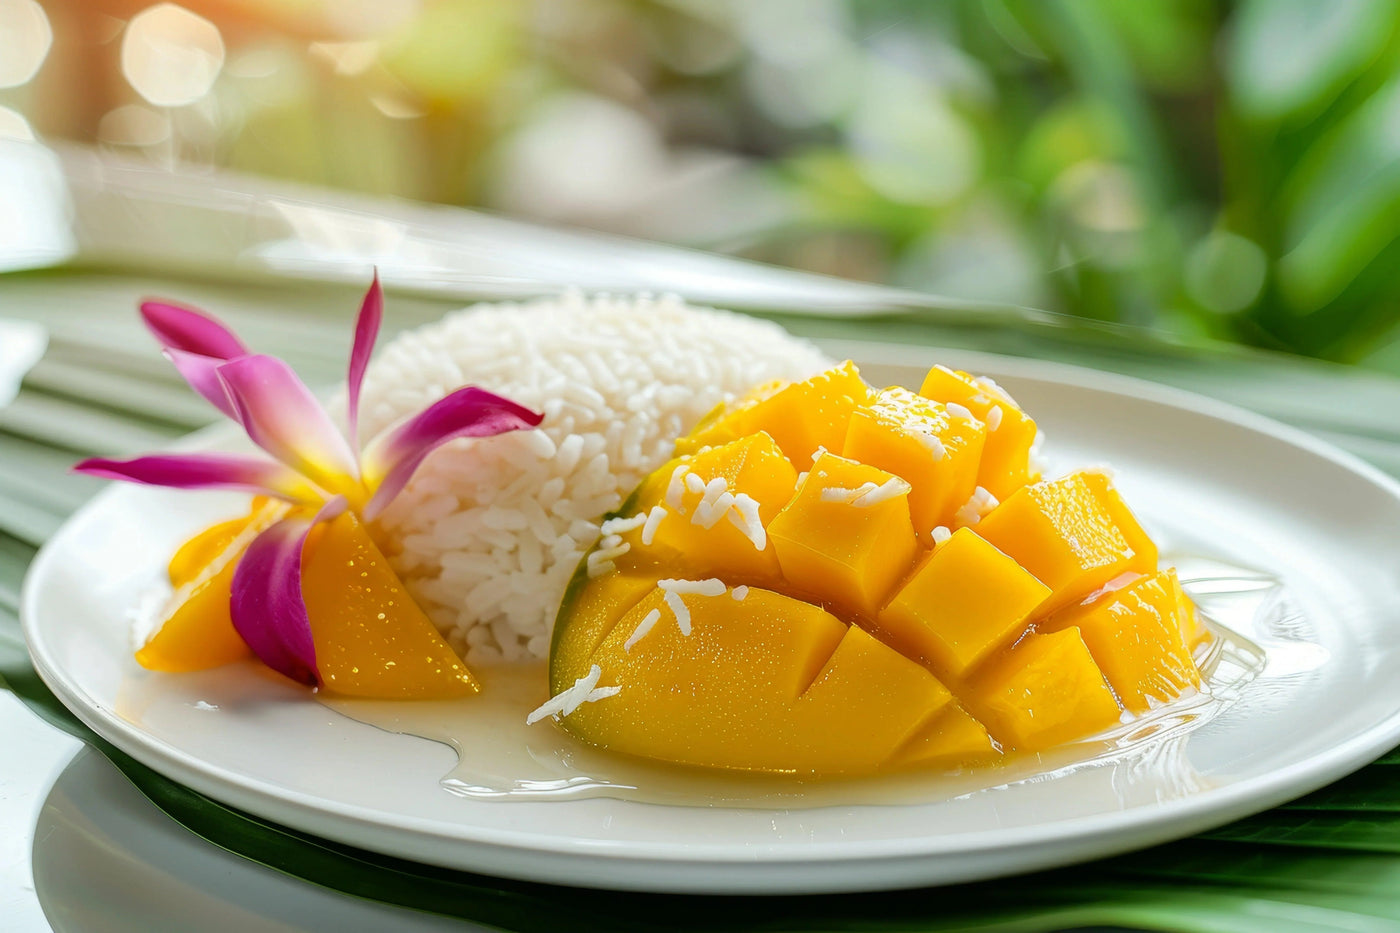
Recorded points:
(866, 494)
(744, 516)
(679, 609)
(675, 490)
(994, 418)
(654, 517)
(978, 505)
(584, 690)
(959, 411)
(801, 478)
(739, 592)
(941, 533)
(890, 489)
(648, 620)
(934, 445)
(710, 586)
(618, 526)
(843, 494)
(989, 385)
(694, 483)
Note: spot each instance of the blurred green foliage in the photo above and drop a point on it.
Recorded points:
(1226, 169)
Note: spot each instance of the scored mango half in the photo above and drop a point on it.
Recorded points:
(829, 579)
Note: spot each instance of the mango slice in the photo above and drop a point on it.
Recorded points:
(1006, 463)
(1065, 534)
(700, 529)
(800, 416)
(371, 638)
(197, 632)
(936, 450)
(1045, 692)
(199, 552)
(838, 548)
(964, 599)
(1137, 635)
(854, 631)
(953, 738)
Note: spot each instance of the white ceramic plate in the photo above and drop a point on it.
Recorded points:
(1210, 479)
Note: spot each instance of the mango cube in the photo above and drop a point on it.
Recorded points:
(706, 532)
(964, 599)
(936, 450)
(1065, 535)
(1005, 465)
(1045, 692)
(952, 739)
(1144, 549)
(869, 690)
(836, 549)
(801, 416)
(1137, 636)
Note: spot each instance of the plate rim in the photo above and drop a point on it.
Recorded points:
(1096, 834)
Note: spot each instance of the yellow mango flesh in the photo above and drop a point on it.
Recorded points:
(766, 683)
(964, 600)
(1066, 536)
(953, 738)
(1005, 465)
(1046, 691)
(1138, 635)
(857, 645)
(800, 416)
(197, 632)
(371, 638)
(922, 442)
(203, 549)
(752, 466)
(841, 554)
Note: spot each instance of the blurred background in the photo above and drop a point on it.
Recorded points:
(1207, 169)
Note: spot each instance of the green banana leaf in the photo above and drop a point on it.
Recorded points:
(1330, 861)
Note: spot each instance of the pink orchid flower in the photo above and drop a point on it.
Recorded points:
(312, 463)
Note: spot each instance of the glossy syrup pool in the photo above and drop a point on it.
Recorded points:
(501, 758)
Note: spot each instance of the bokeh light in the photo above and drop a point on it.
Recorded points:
(13, 125)
(1225, 272)
(25, 38)
(171, 56)
(133, 125)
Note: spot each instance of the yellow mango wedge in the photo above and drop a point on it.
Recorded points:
(1006, 457)
(853, 630)
(931, 446)
(800, 416)
(371, 638)
(1138, 635)
(197, 633)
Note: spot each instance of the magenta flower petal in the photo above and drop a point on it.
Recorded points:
(366, 332)
(267, 607)
(205, 471)
(284, 418)
(201, 373)
(389, 460)
(181, 328)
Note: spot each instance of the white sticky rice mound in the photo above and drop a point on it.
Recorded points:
(488, 532)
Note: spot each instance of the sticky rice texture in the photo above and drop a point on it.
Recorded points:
(488, 532)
